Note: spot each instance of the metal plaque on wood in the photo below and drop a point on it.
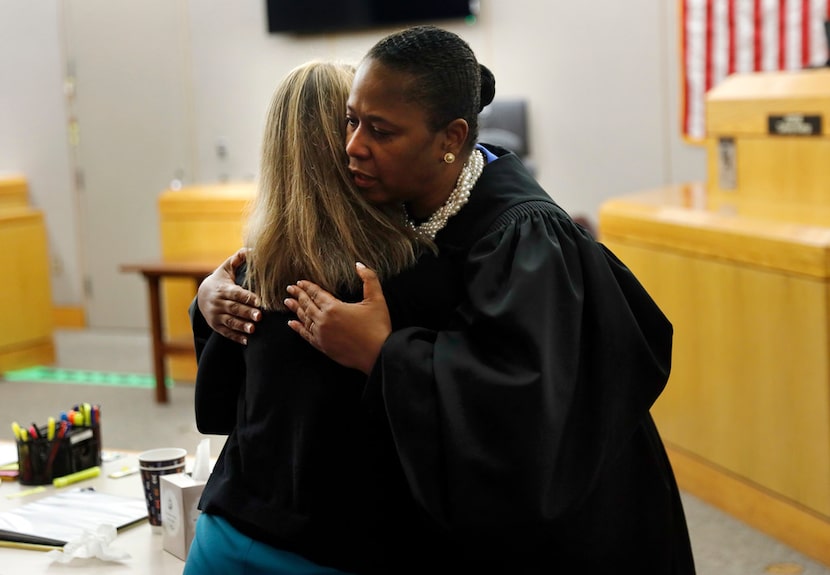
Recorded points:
(794, 125)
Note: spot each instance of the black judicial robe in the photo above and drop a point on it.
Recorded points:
(505, 427)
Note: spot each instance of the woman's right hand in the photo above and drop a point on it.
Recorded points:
(229, 309)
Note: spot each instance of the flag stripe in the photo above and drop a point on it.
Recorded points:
(795, 35)
(771, 37)
(695, 64)
(684, 54)
(721, 47)
(710, 32)
(745, 32)
(757, 35)
(805, 33)
(731, 26)
(782, 34)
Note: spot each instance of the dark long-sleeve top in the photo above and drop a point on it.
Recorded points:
(505, 427)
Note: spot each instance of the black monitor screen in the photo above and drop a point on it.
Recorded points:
(308, 16)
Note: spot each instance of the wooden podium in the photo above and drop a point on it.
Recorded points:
(26, 337)
(741, 266)
(201, 223)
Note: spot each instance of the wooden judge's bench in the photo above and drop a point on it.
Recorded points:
(741, 266)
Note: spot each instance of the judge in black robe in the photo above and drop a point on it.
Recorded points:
(505, 427)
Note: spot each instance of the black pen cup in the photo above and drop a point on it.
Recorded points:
(40, 459)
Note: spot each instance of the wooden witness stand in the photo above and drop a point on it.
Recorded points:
(154, 272)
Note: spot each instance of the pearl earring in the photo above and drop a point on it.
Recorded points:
(449, 157)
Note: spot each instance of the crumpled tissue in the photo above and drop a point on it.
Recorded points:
(91, 545)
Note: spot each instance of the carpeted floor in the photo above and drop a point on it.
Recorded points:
(111, 368)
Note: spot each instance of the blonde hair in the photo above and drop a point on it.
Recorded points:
(308, 221)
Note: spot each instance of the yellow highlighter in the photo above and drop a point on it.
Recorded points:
(16, 430)
(77, 476)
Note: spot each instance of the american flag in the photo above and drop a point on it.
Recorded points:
(722, 37)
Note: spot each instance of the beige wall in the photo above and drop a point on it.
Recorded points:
(601, 79)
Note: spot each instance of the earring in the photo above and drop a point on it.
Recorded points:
(449, 157)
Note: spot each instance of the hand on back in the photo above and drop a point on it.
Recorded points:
(229, 309)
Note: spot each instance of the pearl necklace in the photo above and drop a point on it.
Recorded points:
(460, 195)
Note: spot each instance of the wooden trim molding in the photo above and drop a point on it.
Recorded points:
(787, 521)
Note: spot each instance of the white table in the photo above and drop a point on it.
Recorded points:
(144, 545)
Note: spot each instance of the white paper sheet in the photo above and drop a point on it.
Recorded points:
(65, 516)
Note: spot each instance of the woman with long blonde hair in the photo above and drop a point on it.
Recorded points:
(293, 416)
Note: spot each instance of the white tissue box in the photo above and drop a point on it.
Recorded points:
(179, 497)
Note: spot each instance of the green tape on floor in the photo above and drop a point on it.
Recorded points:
(55, 375)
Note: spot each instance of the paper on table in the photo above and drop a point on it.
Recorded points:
(62, 517)
(8, 453)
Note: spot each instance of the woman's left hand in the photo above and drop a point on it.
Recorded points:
(351, 334)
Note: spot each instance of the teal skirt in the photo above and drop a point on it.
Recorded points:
(218, 548)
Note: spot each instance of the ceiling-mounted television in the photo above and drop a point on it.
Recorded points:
(314, 16)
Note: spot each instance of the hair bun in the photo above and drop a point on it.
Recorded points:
(488, 86)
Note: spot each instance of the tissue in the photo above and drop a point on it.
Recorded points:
(90, 545)
(201, 466)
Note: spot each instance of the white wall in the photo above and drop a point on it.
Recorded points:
(33, 130)
(602, 87)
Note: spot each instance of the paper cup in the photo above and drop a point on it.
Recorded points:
(153, 464)
(163, 457)
(151, 479)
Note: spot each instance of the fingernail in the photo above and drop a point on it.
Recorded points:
(360, 265)
(244, 341)
(256, 315)
(249, 328)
